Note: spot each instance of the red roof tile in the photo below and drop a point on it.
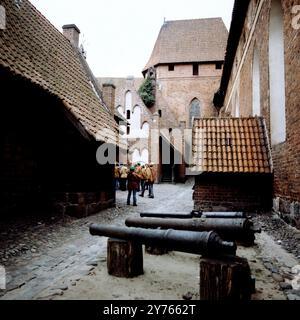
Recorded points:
(33, 48)
(232, 144)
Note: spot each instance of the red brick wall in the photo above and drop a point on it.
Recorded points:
(286, 155)
(81, 204)
(232, 192)
(176, 89)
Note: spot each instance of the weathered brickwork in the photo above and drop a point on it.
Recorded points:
(186, 66)
(286, 155)
(81, 204)
(232, 192)
(176, 89)
(114, 95)
(123, 85)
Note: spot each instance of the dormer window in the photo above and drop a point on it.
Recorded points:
(195, 69)
(171, 67)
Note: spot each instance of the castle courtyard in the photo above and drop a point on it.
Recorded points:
(54, 257)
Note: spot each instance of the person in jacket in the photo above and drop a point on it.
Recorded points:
(123, 177)
(138, 171)
(143, 180)
(117, 176)
(132, 185)
(150, 176)
(151, 180)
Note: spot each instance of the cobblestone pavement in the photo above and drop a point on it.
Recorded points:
(284, 234)
(46, 256)
(40, 251)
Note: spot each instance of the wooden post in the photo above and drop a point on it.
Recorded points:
(158, 251)
(225, 278)
(124, 258)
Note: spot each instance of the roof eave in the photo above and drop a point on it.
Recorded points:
(181, 62)
(239, 13)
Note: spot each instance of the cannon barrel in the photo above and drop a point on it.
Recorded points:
(193, 214)
(228, 229)
(167, 215)
(203, 243)
(223, 215)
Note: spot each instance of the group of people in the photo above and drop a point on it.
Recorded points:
(135, 178)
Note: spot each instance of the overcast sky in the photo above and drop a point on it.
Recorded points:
(119, 35)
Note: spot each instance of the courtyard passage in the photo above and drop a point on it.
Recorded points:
(54, 257)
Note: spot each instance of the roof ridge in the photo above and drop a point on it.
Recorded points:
(194, 19)
(216, 118)
(121, 78)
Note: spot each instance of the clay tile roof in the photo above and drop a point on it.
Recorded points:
(230, 150)
(195, 40)
(31, 47)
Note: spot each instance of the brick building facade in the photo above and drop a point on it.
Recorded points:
(261, 76)
(53, 120)
(136, 121)
(186, 66)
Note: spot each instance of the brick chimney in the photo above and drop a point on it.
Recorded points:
(71, 32)
(108, 92)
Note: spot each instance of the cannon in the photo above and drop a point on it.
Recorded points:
(192, 214)
(230, 215)
(203, 243)
(179, 215)
(228, 229)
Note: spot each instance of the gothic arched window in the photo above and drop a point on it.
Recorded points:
(128, 100)
(194, 111)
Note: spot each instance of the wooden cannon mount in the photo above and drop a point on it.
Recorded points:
(223, 276)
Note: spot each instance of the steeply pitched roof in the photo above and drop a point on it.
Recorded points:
(33, 48)
(196, 40)
(231, 145)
